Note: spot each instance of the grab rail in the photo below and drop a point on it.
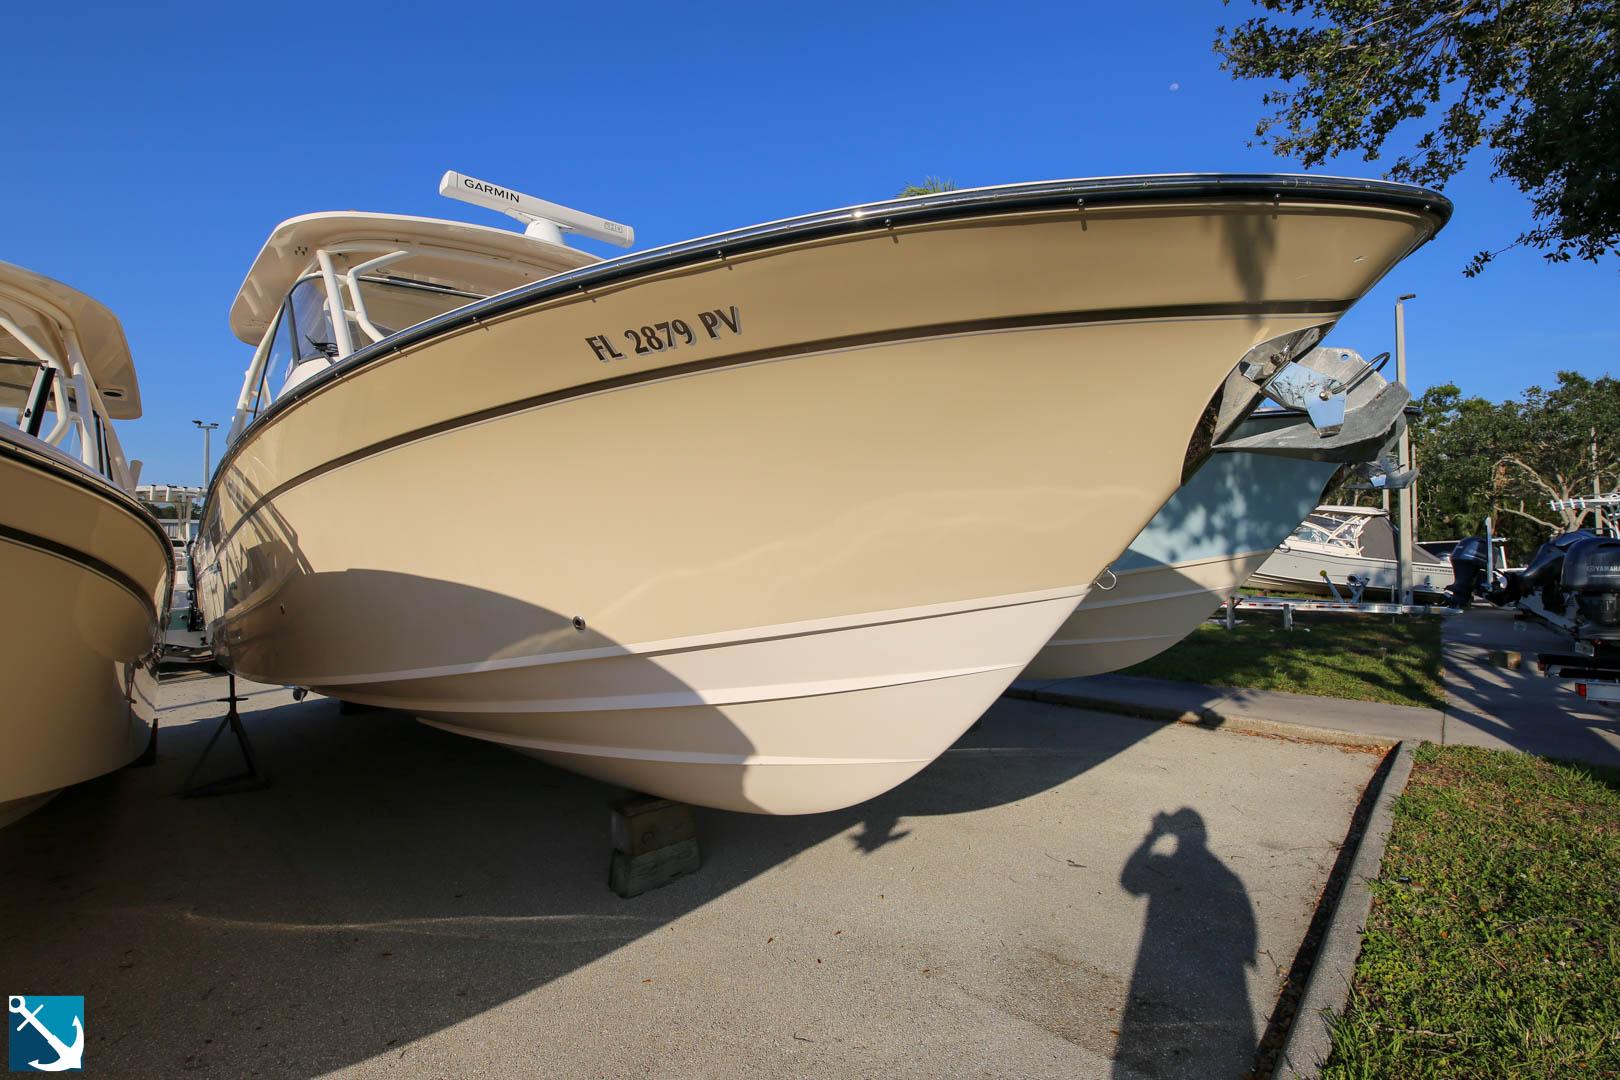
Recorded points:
(352, 279)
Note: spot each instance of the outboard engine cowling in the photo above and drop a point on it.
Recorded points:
(1592, 572)
(1544, 571)
(1470, 563)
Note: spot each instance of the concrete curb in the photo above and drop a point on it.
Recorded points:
(1207, 716)
(1327, 991)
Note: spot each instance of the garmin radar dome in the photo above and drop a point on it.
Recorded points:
(542, 220)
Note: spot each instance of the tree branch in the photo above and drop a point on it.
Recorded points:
(1553, 526)
(1531, 474)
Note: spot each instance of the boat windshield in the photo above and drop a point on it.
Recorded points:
(23, 382)
(1314, 534)
(16, 379)
(1333, 529)
(305, 341)
(395, 304)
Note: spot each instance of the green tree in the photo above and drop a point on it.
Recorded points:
(172, 510)
(1536, 82)
(931, 185)
(1566, 443)
(1507, 460)
(1456, 442)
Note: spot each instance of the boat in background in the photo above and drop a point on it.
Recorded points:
(183, 639)
(1221, 526)
(1572, 584)
(78, 554)
(770, 516)
(1353, 548)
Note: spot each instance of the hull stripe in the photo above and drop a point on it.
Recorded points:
(1325, 309)
(726, 638)
(11, 447)
(673, 757)
(679, 699)
(80, 558)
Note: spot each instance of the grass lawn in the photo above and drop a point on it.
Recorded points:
(1364, 657)
(1493, 949)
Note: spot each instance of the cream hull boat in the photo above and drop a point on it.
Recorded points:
(85, 573)
(783, 568)
(1225, 521)
(1206, 542)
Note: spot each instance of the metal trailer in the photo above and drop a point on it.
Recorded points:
(1594, 674)
(1287, 606)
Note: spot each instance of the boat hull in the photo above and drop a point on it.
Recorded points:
(784, 569)
(92, 577)
(778, 720)
(1151, 609)
(1292, 570)
(1198, 550)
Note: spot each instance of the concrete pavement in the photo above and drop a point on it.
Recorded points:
(1065, 894)
(1257, 711)
(1493, 706)
(1486, 704)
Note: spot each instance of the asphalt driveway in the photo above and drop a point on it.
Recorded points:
(1064, 894)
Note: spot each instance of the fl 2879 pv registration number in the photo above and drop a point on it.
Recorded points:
(661, 336)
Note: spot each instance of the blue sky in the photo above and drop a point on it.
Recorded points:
(151, 149)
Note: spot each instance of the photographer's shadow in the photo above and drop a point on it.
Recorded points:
(1188, 1010)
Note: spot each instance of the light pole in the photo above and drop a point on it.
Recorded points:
(1408, 515)
(208, 461)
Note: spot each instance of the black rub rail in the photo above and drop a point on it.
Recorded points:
(1010, 198)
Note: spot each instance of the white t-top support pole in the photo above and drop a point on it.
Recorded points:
(334, 306)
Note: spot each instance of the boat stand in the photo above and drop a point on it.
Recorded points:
(654, 842)
(249, 779)
(149, 755)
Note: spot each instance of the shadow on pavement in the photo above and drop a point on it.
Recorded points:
(1490, 705)
(1198, 919)
(394, 881)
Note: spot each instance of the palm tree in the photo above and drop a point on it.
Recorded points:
(931, 185)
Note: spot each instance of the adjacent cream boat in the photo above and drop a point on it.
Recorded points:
(84, 568)
(766, 519)
(1200, 548)
(1212, 535)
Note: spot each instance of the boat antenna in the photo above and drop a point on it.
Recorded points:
(542, 220)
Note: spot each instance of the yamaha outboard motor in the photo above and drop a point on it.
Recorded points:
(1470, 565)
(1544, 572)
(1592, 572)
